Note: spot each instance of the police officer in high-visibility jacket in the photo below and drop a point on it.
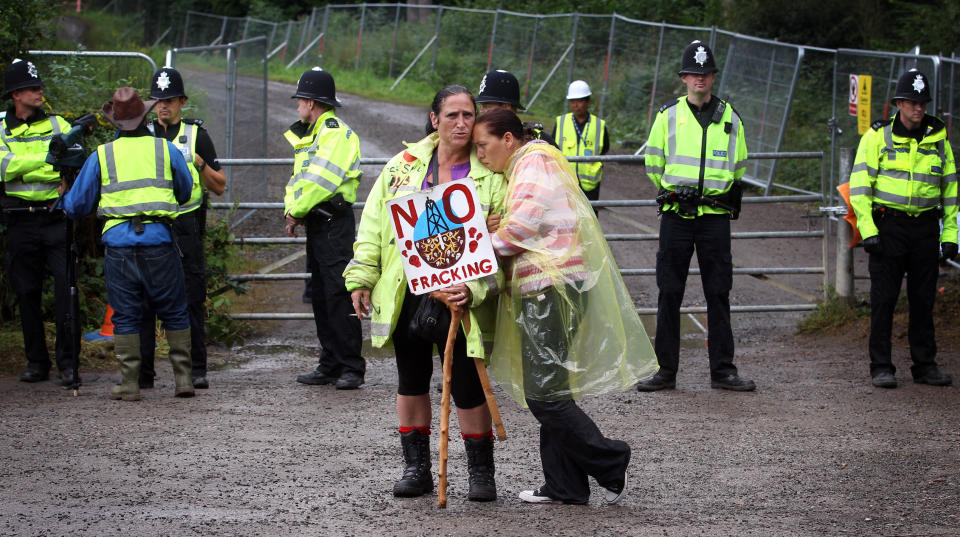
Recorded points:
(582, 134)
(137, 183)
(36, 235)
(321, 192)
(500, 89)
(696, 156)
(193, 141)
(903, 184)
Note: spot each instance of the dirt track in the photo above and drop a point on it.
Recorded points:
(815, 451)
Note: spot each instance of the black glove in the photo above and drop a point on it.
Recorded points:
(687, 193)
(87, 120)
(948, 251)
(872, 245)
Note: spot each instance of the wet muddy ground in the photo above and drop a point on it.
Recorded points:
(815, 451)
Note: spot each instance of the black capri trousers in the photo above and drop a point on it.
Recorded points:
(415, 361)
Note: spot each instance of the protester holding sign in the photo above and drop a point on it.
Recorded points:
(566, 326)
(376, 281)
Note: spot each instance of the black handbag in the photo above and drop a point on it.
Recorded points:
(431, 321)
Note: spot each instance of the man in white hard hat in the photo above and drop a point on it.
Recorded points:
(580, 134)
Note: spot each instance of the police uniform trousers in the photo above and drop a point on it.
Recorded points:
(35, 240)
(910, 246)
(709, 234)
(188, 230)
(572, 448)
(330, 242)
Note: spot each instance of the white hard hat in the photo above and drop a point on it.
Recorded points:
(578, 90)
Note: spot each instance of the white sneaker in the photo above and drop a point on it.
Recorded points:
(534, 496)
(613, 497)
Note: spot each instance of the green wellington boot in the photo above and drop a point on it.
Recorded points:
(179, 341)
(127, 351)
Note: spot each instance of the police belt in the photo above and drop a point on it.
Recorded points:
(883, 211)
(331, 208)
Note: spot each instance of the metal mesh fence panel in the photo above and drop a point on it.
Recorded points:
(949, 105)
(758, 77)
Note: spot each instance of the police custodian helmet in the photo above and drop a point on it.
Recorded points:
(697, 60)
(317, 85)
(20, 74)
(500, 87)
(913, 86)
(167, 83)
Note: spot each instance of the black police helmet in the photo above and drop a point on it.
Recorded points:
(913, 86)
(500, 87)
(697, 60)
(317, 84)
(20, 74)
(166, 83)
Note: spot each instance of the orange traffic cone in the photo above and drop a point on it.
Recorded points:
(106, 329)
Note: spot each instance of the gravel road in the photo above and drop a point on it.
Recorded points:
(815, 451)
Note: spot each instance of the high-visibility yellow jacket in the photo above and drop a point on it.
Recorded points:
(587, 144)
(900, 173)
(326, 162)
(23, 152)
(186, 142)
(376, 262)
(136, 179)
(679, 152)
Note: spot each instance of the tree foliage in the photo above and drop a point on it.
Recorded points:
(23, 25)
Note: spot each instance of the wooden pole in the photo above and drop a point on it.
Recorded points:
(491, 400)
(456, 314)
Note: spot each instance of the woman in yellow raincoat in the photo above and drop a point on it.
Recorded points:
(566, 326)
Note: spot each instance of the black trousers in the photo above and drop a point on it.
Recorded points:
(710, 236)
(572, 448)
(37, 246)
(911, 246)
(331, 247)
(188, 232)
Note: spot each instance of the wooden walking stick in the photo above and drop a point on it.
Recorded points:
(491, 400)
(456, 314)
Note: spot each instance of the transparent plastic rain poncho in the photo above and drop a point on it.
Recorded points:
(566, 325)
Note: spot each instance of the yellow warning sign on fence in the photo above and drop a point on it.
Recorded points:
(863, 103)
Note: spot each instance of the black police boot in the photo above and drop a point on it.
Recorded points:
(734, 383)
(349, 381)
(659, 381)
(315, 378)
(417, 479)
(483, 488)
(934, 377)
(33, 375)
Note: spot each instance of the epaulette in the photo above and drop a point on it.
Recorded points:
(193, 121)
(332, 123)
(880, 123)
(668, 105)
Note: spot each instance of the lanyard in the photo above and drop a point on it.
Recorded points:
(433, 171)
(578, 130)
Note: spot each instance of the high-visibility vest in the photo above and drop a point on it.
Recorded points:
(326, 162)
(23, 153)
(136, 179)
(585, 145)
(680, 151)
(186, 142)
(897, 172)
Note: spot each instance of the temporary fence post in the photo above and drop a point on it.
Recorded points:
(393, 45)
(286, 39)
(223, 30)
(363, 18)
(606, 64)
(493, 37)
(231, 103)
(844, 271)
(313, 20)
(533, 46)
(323, 32)
(713, 38)
(303, 37)
(186, 27)
(246, 26)
(573, 50)
(656, 75)
(832, 123)
(169, 57)
(436, 42)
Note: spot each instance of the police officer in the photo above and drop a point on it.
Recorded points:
(138, 183)
(903, 184)
(696, 156)
(36, 235)
(193, 141)
(580, 134)
(500, 89)
(321, 192)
